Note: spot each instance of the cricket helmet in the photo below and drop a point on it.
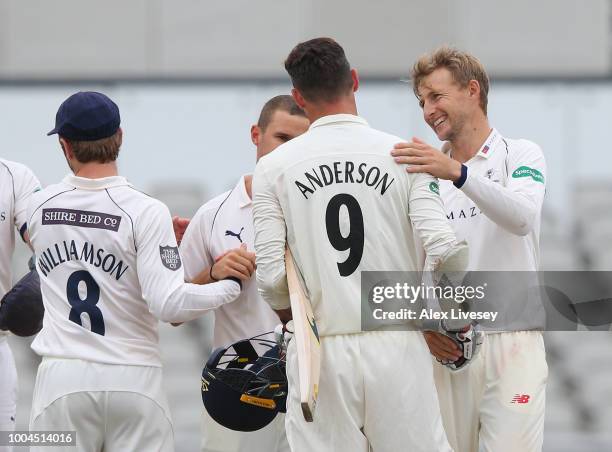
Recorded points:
(242, 389)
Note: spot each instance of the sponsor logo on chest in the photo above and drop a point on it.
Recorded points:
(464, 213)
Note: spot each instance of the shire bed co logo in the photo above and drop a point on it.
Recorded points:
(525, 171)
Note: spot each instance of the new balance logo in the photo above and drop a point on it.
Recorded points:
(521, 398)
(234, 234)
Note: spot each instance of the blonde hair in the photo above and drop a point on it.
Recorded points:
(462, 66)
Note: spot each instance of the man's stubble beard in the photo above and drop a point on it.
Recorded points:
(456, 129)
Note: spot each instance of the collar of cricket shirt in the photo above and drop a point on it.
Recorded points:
(243, 197)
(95, 184)
(340, 118)
(488, 147)
(485, 151)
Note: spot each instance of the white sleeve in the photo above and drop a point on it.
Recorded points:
(270, 239)
(25, 184)
(516, 206)
(161, 274)
(427, 214)
(195, 246)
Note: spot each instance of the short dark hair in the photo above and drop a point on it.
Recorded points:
(283, 102)
(319, 70)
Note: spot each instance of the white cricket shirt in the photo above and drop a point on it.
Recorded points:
(498, 211)
(17, 183)
(344, 206)
(498, 208)
(222, 224)
(109, 268)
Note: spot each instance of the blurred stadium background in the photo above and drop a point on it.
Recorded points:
(190, 78)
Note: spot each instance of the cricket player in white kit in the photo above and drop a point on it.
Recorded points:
(493, 188)
(109, 268)
(224, 227)
(17, 183)
(342, 205)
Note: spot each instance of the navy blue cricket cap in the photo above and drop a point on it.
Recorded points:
(87, 116)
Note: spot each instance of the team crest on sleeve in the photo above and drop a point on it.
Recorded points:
(170, 257)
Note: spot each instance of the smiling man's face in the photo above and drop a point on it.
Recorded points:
(447, 107)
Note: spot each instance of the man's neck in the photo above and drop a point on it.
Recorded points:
(95, 170)
(345, 106)
(469, 142)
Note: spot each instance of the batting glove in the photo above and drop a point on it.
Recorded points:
(469, 342)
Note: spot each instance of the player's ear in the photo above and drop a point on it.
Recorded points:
(67, 148)
(255, 134)
(474, 89)
(120, 134)
(355, 77)
(299, 99)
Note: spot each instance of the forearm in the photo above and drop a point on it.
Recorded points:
(189, 301)
(274, 290)
(201, 278)
(430, 222)
(270, 242)
(204, 277)
(512, 210)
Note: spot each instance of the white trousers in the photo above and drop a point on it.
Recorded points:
(497, 403)
(8, 390)
(376, 390)
(110, 420)
(271, 438)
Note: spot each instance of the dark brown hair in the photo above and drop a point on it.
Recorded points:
(319, 70)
